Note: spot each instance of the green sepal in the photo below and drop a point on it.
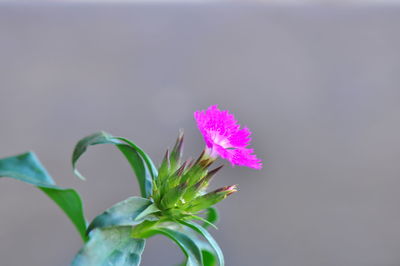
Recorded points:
(164, 169)
(176, 153)
(173, 180)
(194, 174)
(201, 185)
(207, 200)
(172, 196)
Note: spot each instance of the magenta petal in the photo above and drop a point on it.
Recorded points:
(223, 136)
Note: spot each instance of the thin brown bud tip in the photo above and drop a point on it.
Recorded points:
(181, 134)
(214, 171)
(176, 152)
(200, 157)
(179, 172)
(166, 156)
(179, 140)
(166, 160)
(219, 190)
(210, 175)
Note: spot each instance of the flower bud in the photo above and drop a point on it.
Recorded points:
(179, 189)
(164, 168)
(211, 198)
(176, 153)
(201, 185)
(173, 195)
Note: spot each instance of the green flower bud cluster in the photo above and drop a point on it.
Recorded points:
(180, 189)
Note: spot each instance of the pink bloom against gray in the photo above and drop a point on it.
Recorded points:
(224, 137)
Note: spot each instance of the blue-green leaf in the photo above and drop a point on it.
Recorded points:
(111, 246)
(140, 162)
(27, 168)
(172, 230)
(199, 229)
(211, 216)
(209, 258)
(188, 246)
(131, 211)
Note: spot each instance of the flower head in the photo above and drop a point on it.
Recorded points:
(224, 137)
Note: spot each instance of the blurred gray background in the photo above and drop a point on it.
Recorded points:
(318, 85)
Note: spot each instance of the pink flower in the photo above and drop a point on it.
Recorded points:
(224, 137)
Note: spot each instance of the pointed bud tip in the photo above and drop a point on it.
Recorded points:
(176, 152)
(166, 156)
(232, 189)
(215, 170)
(228, 189)
(181, 133)
(181, 169)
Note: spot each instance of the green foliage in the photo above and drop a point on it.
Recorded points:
(186, 242)
(197, 251)
(186, 235)
(211, 216)
(129, 212)
(199, 229)
(27, 168)
(207, 200)
(110, 247)
(209, 259)
(169, 203)
(140, 162)
(180, 188)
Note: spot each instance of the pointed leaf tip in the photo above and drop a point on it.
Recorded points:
(27, 168)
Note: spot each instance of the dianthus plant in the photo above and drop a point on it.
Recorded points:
(174, 199)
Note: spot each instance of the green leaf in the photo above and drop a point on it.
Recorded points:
(186, 242)
(211, 216)
(131, 211)
(140, 162)
(209, 258)
(27, 168)
(205, 221)
(209, 255)
(188, 246)
(111, 246)
(199, 229)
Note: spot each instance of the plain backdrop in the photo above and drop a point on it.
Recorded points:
(317, 85)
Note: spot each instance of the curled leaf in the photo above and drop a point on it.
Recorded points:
(140, 162)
